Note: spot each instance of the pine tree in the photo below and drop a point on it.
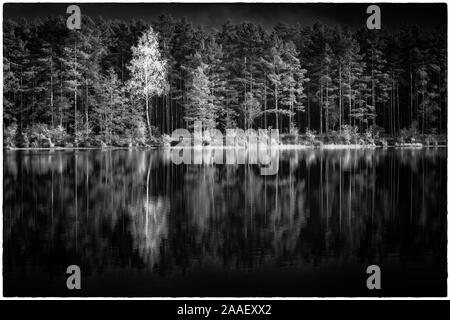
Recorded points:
(276, 70)
(11, 82)
(72, 69)
(292, 82)
(110, 115)
(199, 105)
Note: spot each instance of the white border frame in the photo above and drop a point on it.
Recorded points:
(216, 298)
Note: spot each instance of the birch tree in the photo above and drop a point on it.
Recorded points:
(148, 70)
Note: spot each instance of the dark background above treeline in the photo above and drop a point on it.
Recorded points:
(393, 79)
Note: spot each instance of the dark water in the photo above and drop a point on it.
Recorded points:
(139, 225)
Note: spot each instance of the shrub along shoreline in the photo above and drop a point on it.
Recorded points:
(43, 137)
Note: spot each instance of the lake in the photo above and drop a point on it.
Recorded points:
(137, 224)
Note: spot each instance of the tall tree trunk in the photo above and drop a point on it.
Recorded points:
(75, 96)
(147, 114)
(86, 111)
(416, 96)
(51, 90)
(308, 112)
(291, 109)
(423, 104)
(391, 102)
(171, 109)
(320, 106)
(340, 104)
(167, 110)
(350, 118)
(60, 100)
(21, 99)
(373, 89)
(147, 105)
(265, 102)
(276, 106)
(327, 106)
(398, 108)
(410, 95)
(440, 102)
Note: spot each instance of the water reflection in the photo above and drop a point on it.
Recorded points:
(127, 211)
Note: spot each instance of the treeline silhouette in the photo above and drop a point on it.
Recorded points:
(78, 87)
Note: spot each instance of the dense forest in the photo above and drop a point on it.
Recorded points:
(132, 82)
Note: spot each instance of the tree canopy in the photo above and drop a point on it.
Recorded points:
(111, 77)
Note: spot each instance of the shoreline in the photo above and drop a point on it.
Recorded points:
(280, 147)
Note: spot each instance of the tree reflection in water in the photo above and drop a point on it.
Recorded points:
(125, 210)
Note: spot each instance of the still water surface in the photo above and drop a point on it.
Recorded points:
(139, 225)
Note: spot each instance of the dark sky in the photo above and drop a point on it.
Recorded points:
(427, 15)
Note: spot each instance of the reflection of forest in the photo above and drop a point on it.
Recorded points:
(136, 209)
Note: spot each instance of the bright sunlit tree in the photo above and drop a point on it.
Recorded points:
(148, 70)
